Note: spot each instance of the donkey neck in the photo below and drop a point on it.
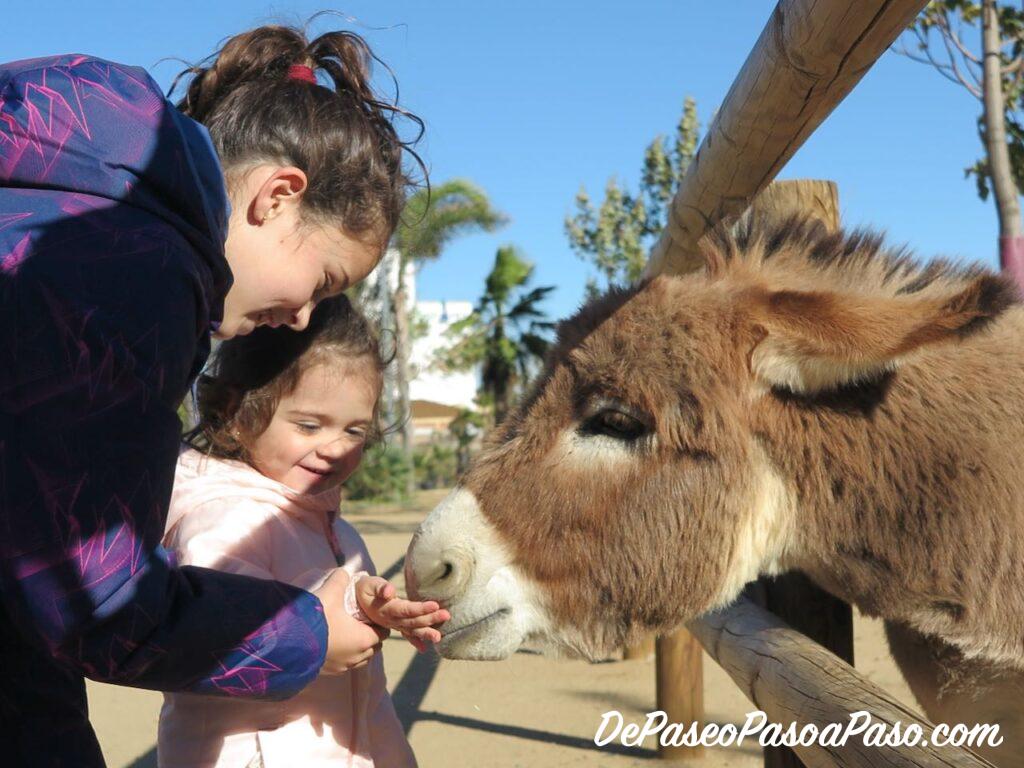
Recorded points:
(910, 491)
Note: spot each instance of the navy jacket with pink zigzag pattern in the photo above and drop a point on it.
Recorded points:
(113, 216)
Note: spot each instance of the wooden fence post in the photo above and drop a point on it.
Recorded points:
(680, 686)
(640, 650)
(792, 597)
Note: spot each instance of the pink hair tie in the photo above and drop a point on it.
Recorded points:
(302, 72)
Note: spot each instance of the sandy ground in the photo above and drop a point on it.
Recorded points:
(526, 711)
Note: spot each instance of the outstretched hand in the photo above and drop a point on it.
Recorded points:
(417, 621)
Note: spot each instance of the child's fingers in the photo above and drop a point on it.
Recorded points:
(366, 636)
(416, 643)
(424, 634)
(407, 609)
(373, 593)
(417, 622)
(422, 639)
(369, 587)
(362, 659)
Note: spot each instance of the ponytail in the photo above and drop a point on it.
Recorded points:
(336, 128)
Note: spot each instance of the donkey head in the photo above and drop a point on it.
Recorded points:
(629, 491)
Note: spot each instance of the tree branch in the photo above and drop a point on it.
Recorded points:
(954, 37)
(949, 40)
(1014, 67)
(949, 71)
(943, 69)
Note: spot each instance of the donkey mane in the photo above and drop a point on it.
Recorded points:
(800, 252)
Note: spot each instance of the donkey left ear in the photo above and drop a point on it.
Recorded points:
(814, 341)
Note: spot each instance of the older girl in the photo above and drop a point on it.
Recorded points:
(119, 254)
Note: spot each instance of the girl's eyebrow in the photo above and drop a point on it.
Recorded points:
(312, 414)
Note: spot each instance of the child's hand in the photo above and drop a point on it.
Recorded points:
(378, 599)
(421, 639)
(350, 643)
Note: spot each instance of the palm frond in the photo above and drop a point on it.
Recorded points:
(432, 218)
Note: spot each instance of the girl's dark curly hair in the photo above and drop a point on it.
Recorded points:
(337, 130)
(238, 397)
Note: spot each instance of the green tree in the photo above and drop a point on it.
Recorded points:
(980, 47)
(507, 333)
(431, 220)
(382, 476)
(617, 235)
(464, 429)
(435, 466)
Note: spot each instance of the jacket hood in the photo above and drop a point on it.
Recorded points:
(79, 124)
(200, 479)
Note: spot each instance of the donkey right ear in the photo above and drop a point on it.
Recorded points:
(813, 341)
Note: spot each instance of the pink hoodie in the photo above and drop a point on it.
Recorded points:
(226, 515)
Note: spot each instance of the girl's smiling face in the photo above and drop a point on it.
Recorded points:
(282, 265)
(315, 439)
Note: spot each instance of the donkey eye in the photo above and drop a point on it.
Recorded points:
(615, 424)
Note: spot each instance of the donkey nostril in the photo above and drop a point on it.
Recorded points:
(444, 580)
(440, 575)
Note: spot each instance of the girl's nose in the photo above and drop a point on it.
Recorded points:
(334, 449)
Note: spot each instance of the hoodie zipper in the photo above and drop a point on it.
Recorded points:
(332, 539)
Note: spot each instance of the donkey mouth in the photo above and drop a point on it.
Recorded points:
(449, 635)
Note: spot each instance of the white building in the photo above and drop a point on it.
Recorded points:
(435, 395)
(428, 383)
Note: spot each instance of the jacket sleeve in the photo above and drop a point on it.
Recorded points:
(237, 535)
(99, 326)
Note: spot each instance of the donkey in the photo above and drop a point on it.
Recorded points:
(810, 400)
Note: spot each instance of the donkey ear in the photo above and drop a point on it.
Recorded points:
(817, 341)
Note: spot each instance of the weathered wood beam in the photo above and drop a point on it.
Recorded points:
(793, 679)
(793, 597)
(808, 58)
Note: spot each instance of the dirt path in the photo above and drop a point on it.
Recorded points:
(526, 711)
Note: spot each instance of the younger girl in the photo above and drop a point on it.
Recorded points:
(284, 419)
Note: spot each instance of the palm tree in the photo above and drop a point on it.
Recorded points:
(464, 428)
(507, 332)
(432, 219)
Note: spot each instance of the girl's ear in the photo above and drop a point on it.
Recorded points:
(280, 190)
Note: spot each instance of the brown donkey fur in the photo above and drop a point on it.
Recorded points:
(810, 401)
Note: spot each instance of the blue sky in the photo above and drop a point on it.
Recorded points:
(532, 99)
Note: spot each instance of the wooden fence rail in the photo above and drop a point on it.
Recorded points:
(808, 58)
(794, 680)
